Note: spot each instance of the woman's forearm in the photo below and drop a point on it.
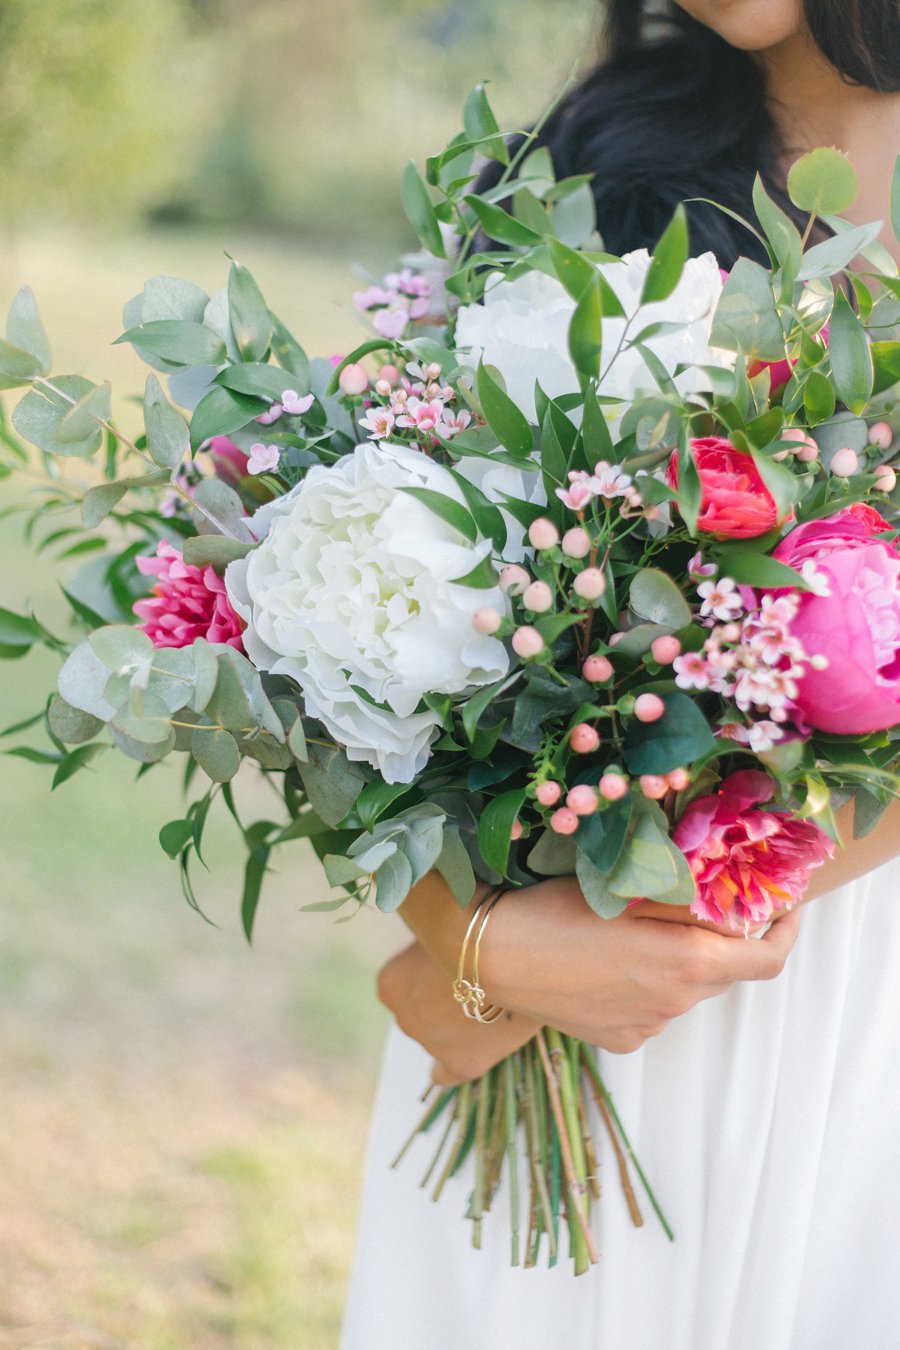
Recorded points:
(857, 856)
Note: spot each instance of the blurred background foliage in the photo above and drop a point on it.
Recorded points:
(283, 116)
(184, 1117)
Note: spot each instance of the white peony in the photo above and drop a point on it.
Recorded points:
(522, 328)
(351, 593)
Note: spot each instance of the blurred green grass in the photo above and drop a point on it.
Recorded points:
(184, 1116)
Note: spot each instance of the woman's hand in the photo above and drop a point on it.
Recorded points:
(419, 995)
(611, 982)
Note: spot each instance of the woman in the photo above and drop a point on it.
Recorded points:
(769, 1118)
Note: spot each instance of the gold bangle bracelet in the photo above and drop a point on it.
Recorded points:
(468, 992)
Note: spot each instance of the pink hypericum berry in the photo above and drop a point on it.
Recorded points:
(564, 821)
(730, 632)
(549, 793)
(584, 739)
(538, 597)
(589, 584)
(885, 478)
(383, 388)
(844, 462)
(613, 786)
(808, 452)
(799, 437)
(516, 831)
(653, 786)
(576, 543)
(353, 380)
(389, 373)
(664, 649)
(486, 620)
(615, 638)
(678, 779)
(648, 707)
(527, 642)
(882, 435)
(597, 669)
(542, 533)
(582, 799)
(514, 578)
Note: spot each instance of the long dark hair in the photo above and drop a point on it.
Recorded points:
(674, 112)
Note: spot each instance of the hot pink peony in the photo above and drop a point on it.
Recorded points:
(735, 502)
(230, 463)
(855, 629)
(747, 862)
(187, 602)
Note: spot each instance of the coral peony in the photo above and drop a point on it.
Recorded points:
(855, 627)
(187, 602)
(747, 862)
(735, 502)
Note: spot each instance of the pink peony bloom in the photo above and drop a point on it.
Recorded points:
(187, 602)
(853, 631)
(735, 502)
(747, 862)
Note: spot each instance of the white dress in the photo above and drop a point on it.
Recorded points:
(768, 1122)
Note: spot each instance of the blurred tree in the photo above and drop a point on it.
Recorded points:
(104, 102)
(276, 114)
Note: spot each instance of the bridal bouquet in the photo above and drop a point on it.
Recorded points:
(580, 564)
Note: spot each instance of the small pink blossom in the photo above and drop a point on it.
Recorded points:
(296, 404)
(390, 323)
(263, 458)
(379, 422)
(420, 415)
(609, 481)
(271, 415)
(579, 494)
(187, 602)
(698, 568)
(721, 599)
(691, 671)
(451, 424)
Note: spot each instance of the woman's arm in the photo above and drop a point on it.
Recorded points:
(857, 856)
(612, 982)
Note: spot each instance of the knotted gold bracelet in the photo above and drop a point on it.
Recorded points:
(468, 992)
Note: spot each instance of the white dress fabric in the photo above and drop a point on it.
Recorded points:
(768, 1122)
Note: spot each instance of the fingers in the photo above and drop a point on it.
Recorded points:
(758, 958)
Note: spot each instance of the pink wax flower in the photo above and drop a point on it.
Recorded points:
(229, 462)
(187, 602)
(747, 862)
(855, 627)
(735, 502)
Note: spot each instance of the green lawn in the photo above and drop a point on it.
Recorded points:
(183, 1116)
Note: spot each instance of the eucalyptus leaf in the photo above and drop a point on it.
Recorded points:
(681, 736)
(216, 752)
(82, 683)
(38, 416)
(822, 182)
(71, 725)
(393, 881)
(180, 342)
(168, 437)
(80, 422)
(332, 783)
(654, 596)
(217, 550)
(454, 865)
(25, 330)
(251, 323)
